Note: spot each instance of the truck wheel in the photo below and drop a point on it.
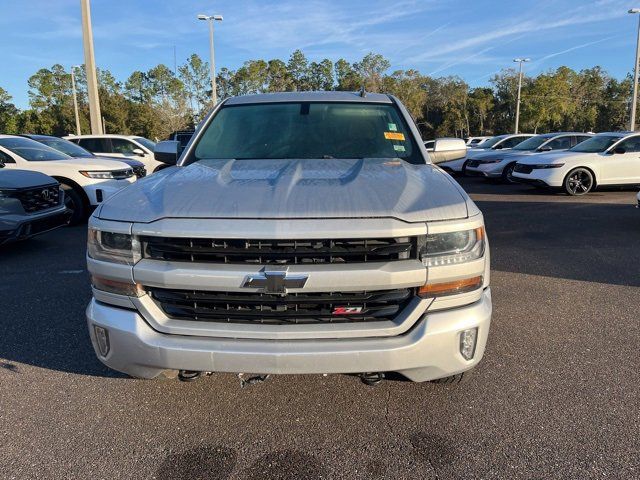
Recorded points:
(507, 173)
(74, 203)
(578, 181)
(453, 379)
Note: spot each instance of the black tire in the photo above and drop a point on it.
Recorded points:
(578, 181)
(453, 379)
(75, 203)
(507, 174)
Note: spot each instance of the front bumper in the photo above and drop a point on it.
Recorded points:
(21, 227)
(101, 190)
(430, 350)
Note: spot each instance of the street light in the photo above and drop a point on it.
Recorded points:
(75, 99)
(632, 123)
(520, 61)
(211, 19)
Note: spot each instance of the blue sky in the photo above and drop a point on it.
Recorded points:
(470, 38)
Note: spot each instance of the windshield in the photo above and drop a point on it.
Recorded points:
(308, 130)
(65, 146)
(531, 143)
(146, 142)
(491, 142)
(31, 150)
(596, 144)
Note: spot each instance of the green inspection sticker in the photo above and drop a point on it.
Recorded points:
(398, 148)
(393, 127)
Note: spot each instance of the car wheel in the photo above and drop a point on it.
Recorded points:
(507, 174)
(579, 181)
(74, 203)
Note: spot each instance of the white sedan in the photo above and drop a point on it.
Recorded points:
(86, 183)
(606, 159)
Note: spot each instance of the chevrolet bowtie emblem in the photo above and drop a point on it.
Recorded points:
(275, 279)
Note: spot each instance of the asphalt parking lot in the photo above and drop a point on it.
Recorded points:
(556, 395)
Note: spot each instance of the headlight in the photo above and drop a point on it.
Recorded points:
(547, 165)
(108, 174)
(113, 247)
(453, 247)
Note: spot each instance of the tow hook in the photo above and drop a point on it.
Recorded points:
(191, 375)
(247, 382)
(372, 378)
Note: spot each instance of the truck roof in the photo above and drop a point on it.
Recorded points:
(309, 97)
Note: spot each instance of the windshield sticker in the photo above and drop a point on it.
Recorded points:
(398, 148)
(394, 136)
(392, 127)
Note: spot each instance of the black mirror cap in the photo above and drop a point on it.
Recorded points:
(619, 150)
(498, 147)
(545, 148)
(167, 152)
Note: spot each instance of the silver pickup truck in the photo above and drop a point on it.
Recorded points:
(299, 233)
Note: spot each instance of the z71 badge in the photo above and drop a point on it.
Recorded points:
(346, 310)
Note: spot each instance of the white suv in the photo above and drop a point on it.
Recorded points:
(87, 183)
(120, 146)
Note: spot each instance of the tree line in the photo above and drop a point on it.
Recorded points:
(159, 101)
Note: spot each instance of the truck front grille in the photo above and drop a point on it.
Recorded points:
(283, 252)
(40, 198)
(291, 308)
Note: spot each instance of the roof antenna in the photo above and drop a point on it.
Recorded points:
(363, 92)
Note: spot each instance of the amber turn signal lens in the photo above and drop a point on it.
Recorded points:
(450, 288)
(119, 288)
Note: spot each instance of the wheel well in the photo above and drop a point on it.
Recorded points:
(77, 188)
(593, 174)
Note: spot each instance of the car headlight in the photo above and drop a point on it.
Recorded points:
(453, 247)
(108, 174)
(113, 247)
(546, 165)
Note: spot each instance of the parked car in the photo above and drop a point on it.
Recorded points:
(611, 158)
(76, 151)
(330, 244)
(500, 142)
(31, 203)
(500, 163)
(473, 142)
(120, 147)
(86, 183)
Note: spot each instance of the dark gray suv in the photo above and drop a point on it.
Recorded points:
(31, 203)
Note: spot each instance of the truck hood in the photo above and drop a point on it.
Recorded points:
(278, 189)
(23, 179)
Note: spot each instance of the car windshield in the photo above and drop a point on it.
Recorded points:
(531, 143)
(491, 142)
(308, 130)
(596, 144)
(65, 146)
(31, 150)
(146, 142)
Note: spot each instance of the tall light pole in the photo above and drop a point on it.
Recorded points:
(211, 19)
(632, 122)
(90, 69)
(75, 99)
(520, 61)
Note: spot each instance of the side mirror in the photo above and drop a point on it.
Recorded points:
(167, 152)
(545, 148)
(447, 149)
(498, 147)
(138, 151)
(619, 150)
